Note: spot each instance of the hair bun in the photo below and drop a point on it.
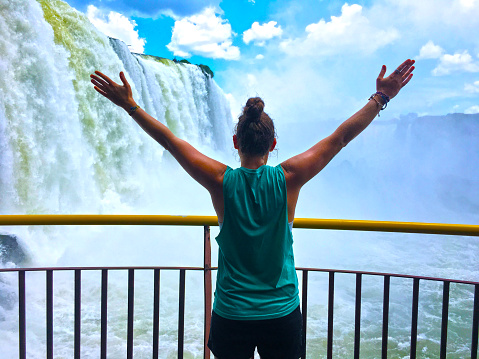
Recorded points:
(253, 109)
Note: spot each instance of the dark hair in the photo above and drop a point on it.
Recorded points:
(255, 129)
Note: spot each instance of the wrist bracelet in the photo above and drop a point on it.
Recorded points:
(133, 110)
(384, 96)
(382, 107)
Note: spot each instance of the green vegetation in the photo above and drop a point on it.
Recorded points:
(204, 68)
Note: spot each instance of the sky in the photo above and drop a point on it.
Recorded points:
(311, 60)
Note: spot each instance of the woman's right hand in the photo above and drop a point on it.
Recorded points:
(392, 84)
(119, 95)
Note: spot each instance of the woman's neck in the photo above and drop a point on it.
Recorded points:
(253, 162)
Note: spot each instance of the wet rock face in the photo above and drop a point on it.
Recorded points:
(11, 251)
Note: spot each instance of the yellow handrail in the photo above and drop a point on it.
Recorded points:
(311, 223)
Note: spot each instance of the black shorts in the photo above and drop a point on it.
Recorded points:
(279, 338)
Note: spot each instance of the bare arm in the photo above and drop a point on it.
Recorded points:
(207, 171)
(301, 168)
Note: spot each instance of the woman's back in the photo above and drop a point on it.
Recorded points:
(256, 276)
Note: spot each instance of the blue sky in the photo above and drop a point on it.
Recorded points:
(311, 59)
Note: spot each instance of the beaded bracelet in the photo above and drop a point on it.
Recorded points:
(384, 96)
(379, 104)
(133, 110)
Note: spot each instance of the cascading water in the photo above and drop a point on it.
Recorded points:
(65, 149)
(59, 137)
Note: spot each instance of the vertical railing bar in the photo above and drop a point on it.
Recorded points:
(49, 331)
(77, 339)
(415, 304)
(445, 318)
(21, 316)
(131, 308)
(181, 315)
(207, 288)
(304, 308)
(475, 323)
(330, 315)
(384, 351)
(156, 312)
(357, 320)
(104, 312)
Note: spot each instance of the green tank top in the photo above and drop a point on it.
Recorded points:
(256, 276)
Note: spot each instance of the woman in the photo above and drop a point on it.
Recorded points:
(256, 299)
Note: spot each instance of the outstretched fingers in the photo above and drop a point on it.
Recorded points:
(100, 91)
(98, 82)
(408, 74)
(125, 82)
(409, 70)
(105, 78)
(119, 94)
(382, 72)
(406, 64)
(404, 83)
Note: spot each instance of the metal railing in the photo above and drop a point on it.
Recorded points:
(206, 222)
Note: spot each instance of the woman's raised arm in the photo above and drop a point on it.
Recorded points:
(205, 170)
(301, 168)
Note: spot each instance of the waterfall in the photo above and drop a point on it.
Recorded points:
(64, 147)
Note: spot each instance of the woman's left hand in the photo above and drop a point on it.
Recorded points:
(392, 84)
(118, 94)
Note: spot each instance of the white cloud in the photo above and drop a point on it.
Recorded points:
(118, 26)
(468, 3)
(260, 33)
(430, 51)
(251, 80)
(352, 31)
(432, 16)
(462, 62)
(472, 110)
(472, 88)
(204, 34)
(259, 57)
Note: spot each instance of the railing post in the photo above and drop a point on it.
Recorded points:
(104, 313)
(131, 307)
(77, 340)
(384, 349)
(207, 288)
(415, 305)
(445, 318)
(475, 323)
(357, 319)
(21, 316)
(156, 312)
(304, 308)
(181, 315)
(49, 314)
(330, 315)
